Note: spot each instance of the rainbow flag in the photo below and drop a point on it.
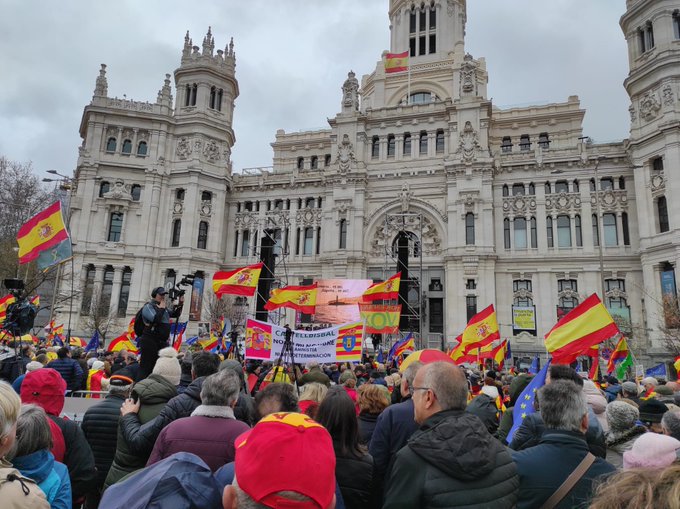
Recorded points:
(396, 62)
(348, 347)
(43, 231)
(241, 281)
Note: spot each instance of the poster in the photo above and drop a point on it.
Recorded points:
(523, 318)
(196, 299)
(337, 300)
(264, 341)
(381, 318)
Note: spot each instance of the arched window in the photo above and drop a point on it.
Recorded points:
(549, 231)
(534, 233)
(518, 190)
(406, 239)
(88, 289)
(469, 229)
(423, 143)
(592, 185)
(124, 295)
(520, 227)
(439, 141)
(141, 148)
(563, 231)
(576, 187)
(194, 92)
(391, 145)
(314, 162)
(596, 230)
(218, 100)
(115, 227)
(506, 191)
(309, 203)
(622, 182)
(104, 188)
(127, 147)
(547, 188)
(343, 234)
(187, 95)
(407, 144)
(422, 98)
(375, 147)
(676, 24)
(506, 233)
(179, 194)
(213, 96)
(202, 235)
(662, 211)
(300, 163)
(206, 196)
(308, 245)
(561, 186)
(176, 230)
(111, 145)
(611, 237)
(532, 189)
(136, 192)
(578, 230)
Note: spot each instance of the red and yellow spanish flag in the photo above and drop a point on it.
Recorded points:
(44, 230)
(396, 62)
(5, 302)
(241, 281)
(300, 298)
(75, 341)
(499, 353)
(385, 290)
(586, 325)
(123, 342)
(676, 364)
(348, 346)
(481, 330)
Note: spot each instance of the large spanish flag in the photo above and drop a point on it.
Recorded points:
(396, 62)
(300, 298)
(586, 325)
(385, 290)
(481, 330)
(43, 231)
(241, 281)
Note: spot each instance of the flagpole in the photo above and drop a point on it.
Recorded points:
(408, 97)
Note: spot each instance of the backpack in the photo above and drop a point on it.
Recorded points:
(139, 323)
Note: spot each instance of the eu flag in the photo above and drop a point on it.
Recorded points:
(525, 403)
(380, 357)
(93, 345)
(534, 366)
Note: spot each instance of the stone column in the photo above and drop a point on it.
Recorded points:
(115, 288)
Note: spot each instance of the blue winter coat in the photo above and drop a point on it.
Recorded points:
(70, 371)
(51, 476)
(543, 468)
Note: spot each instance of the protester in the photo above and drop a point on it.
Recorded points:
(244, 410)
(100, 426)
(372, 401)
(264, 479)
(561, 450)
(613, 389)
(314, 374)
(651, 413)
(130, 368)
(630, 390)
(31, 366)
(485, 408)
(95, 377)
(13, 366)
(312, 395)
(167, 365)
(68, 368)
(651, 450)
(639, 488)
(185, 378)
(624, 429)
(597, 403)
(670, 424)
(348, 381)
(649, 386)
(210, 431)
(32, 457)
(276, 397)
(452, 460)
(46, 388)
(16, 491)
(517, 385)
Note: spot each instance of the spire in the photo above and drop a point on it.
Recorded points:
(165, 93)
(208, 43)
(187, 45)
(101, 87)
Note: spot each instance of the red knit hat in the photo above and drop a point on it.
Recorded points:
(279, 454)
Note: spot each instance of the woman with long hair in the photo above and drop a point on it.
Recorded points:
(312, 395)
(354, 466)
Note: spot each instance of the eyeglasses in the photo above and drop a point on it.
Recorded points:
(414, 389)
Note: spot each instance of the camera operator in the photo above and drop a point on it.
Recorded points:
(156, 319)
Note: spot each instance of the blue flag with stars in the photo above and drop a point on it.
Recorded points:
(525, 403)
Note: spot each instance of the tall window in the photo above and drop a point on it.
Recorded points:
(506, 192)
(578, 230)
(107, 289)
(561, 186)
(141, 148)
(176, 230)
(300, 163)
(343, 234)
(470, 229)
(470, 306)
(563, 231)
(314, 163)
(624, 228)
(569, 301)
(124, 295)
(520, 227)
(327, 160)
(549, 231)
(662, 211)
(439, 142)
(104, 188)
(616, 301)
(318, 239)
(506, 144)
(245, 243)
(375, 147)
(213, 97)
(518, 190)
(136, 192)
(524, 142)
(218, 100)
(576, 188)
(88, 289)
(657, 165)
(407, 144)
(297, 241)
(611, 237)
(622, 182)
(596, 231)
(115, 227)
(423, 30)
(391, 144)
(544, 140)
(532, 189)
(206, 196)
(506, 233)
(646, 37)
(547, 189)
(423, 143)
(202, 235)
(111, 145)
(127, 147)
(676, 24)
(534, 233)
(522, 288)
(308, 241)
(179, 194)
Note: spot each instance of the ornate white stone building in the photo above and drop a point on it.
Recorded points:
(511, 207)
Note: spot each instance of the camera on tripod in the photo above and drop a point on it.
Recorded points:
(21, 313)
(177, 291)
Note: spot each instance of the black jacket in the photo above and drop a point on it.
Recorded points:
(100, 426)
(543, 468)
(355, 479)
(140, 438)
(452, 461)
(367, 424)
(532, 428)
(78, 457)
(485, 408)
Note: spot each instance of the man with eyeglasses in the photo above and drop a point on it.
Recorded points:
(451, 460)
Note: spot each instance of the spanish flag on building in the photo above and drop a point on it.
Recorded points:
(385, 290)
(396, 62)
(43, 231)
(348, 347)
(241, 281)
(481, 330)
(300, 298)
(586, 325)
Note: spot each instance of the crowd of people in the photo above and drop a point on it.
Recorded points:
(201, 431)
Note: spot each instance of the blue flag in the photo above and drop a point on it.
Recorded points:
(579, 367)
(191, 340)
(398, 345)
(658, 370)
(534, 366)
(525, 403)
(379, 358)
(57, 341)
(93, 345)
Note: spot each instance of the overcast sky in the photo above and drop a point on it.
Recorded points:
(292, 58)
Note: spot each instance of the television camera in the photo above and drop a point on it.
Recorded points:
(21, 313)
(177, 291)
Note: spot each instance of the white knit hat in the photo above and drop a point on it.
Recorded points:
(168, 366)
(32, 366)
(97, 365)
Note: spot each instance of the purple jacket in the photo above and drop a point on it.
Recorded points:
(209, 434)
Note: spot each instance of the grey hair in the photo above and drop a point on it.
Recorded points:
(410, 372)
(221, 388)
(33, 431)
(448, 383)
(10, 406)
(246, 502)
(563, 405)
(120, 390)
(671, 422)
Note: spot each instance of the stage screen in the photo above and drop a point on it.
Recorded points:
(337, 299)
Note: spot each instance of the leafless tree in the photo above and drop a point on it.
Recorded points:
(102, 316)
(671, 324)
(231, 307)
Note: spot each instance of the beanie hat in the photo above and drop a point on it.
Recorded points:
(621, 416)
(652, 410)
(650, 380)
(651, 450)
(663, 390)
(97, 365)
(630, 388)
(490, 391)
(168, 366)
(263, 467)
(90, 362)
(32, 366)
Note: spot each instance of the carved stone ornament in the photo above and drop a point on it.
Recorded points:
(523, 294)
(405, 197)
(667, 95)
(385, 233)
(111, 131)
(206, 208)
(658, 182)
(350, 92)
(563, 202)
(468, 74)
(616, 293)
(633, 113)
(211, 151)
(119, 191)
(178, 207)
(345, 154)
(101, 87)
(451, 7)
(568, 293)
(183, 149)
(308, 217)
(278, 219)
(649, 106)
(611, 200)
(143, 135)
(245, 220)
(469, 143)
(128, 133)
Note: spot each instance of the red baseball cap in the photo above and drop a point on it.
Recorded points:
(279, 454)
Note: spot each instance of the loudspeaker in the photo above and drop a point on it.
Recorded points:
(402, 266)
(264, 285)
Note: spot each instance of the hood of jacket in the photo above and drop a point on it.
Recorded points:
(46, 388)
(154, 389)
(37, 465)
(194, 389)
(457, 443)
(594, 396)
